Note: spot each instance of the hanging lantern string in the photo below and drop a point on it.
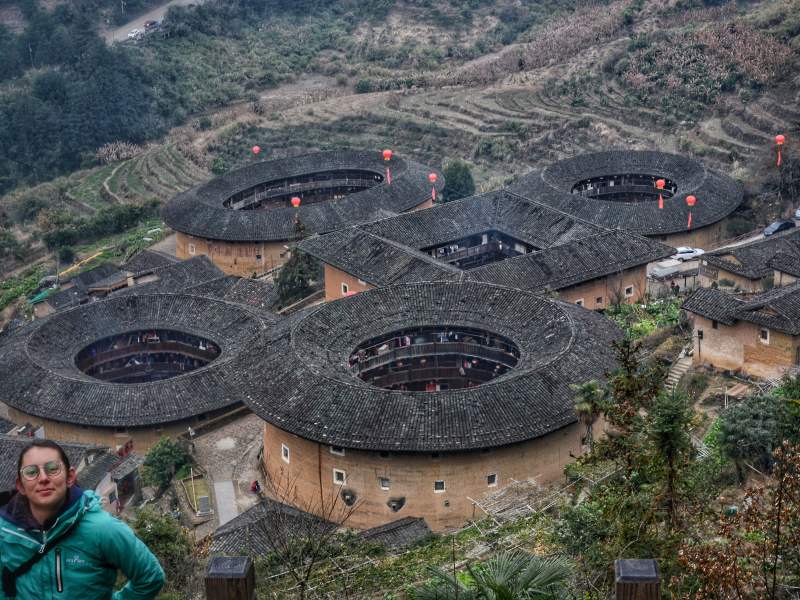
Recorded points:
(660, 183)
(432, 178)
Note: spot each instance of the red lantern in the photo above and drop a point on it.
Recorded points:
(387, 156)
(660, 183)
(432, 178)
(690, 202)
(295, 201)
(779, 140)
(256, 150)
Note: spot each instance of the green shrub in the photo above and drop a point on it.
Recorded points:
(364, 86)
(163, 460)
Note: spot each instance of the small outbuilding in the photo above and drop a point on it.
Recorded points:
(757, 335)
(756, 266)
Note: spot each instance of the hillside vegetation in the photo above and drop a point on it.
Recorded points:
(505, 86)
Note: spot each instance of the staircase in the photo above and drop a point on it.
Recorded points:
(677, 371)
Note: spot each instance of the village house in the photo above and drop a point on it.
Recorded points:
(758, 335)
(754, 267)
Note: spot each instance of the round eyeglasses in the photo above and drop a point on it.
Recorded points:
(52, 468)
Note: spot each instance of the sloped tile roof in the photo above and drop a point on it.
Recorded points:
(755, 260)
(777, 309)
(399, 534)
(38, 374)
(255, 531)
(147, 260)
(201, 211)
(312, 392)
(249, 292)
(573, 251)
(717, 195)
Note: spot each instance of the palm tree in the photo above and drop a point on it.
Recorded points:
(507, 576)
(588, 406)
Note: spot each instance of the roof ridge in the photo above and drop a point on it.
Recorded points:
(557, 210)
(414, 252)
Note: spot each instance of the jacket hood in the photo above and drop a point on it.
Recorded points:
(18, 512)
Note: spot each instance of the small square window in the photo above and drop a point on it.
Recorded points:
(629, 291)
(339, 477)
(345, 289)
(491, 479)
(579, 302)
(598, 300)
(714, 325)
(763, 335)
(337, 450)
(258, 257)
(438, 486)
(285, 452)
(385, 483)
(192, 249)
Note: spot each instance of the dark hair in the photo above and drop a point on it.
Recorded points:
(43, 444)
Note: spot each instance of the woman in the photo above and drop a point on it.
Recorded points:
(57, 542)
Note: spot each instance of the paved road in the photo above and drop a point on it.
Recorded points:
(120, 34)
(225, 496)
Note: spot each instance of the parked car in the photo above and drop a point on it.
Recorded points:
(150, 25)
(135, 34)
(797, 214)
(686, 253)
(778, 226)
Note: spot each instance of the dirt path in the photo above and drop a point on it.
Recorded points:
(120, 34)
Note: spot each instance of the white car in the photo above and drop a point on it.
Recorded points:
(135, 34)
(797, 214)
(685, 253)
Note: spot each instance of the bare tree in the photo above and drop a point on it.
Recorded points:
(299, 530)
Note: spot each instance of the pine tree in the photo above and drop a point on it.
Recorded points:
(458, 181)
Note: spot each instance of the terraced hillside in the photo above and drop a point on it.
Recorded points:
(716, 82)
(537, 101)
(154, 175)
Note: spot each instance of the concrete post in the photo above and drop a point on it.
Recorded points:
(637, 579)
(230, 578)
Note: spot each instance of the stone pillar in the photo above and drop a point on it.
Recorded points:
(637, 579)
(230, 578)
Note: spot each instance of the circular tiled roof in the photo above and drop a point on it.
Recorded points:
(312, 392)
(202, 211)
(717, 195)
(39, 376)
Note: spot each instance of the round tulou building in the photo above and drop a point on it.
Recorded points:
(414, 400)
(244, 220)
(126, 371)
(617, 190)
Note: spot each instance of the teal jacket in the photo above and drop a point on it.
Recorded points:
(84, 565)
